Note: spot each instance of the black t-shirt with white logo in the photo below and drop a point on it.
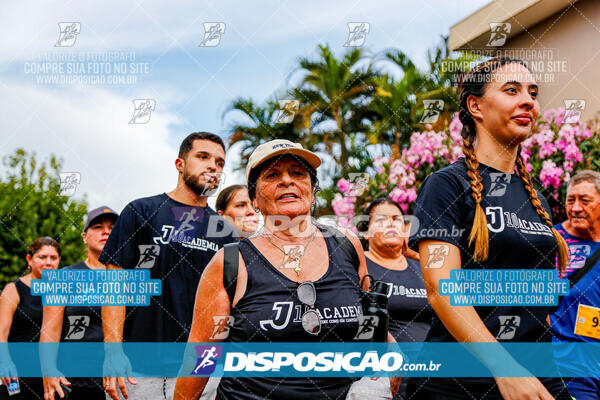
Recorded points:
(409, 310)
(175, 242)
(518, 239)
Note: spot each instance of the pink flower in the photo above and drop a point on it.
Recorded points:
(572, 153)
(344, 185)
(379, 162)
(525, 154)
(456, 129)
(550, 174)
(343, 206)
(546, 150)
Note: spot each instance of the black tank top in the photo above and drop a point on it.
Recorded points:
(269, 294)
(82, 324)
(27, 320)
(410, 312)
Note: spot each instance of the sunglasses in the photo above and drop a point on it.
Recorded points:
(307, 294)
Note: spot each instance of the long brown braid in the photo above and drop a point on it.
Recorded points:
(563, 248)
(474, 84)
(479, 231)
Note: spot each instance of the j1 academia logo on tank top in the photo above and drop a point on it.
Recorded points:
(498, 219)
(285, 312)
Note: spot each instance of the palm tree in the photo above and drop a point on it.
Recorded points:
(394, 101)
(398, 104)
(264, 125)
(332, 93)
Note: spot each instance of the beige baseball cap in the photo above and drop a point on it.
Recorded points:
(277, 147)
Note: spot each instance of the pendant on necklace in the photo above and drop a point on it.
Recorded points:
(292, 257)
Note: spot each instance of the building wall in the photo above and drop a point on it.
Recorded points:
(572, 41)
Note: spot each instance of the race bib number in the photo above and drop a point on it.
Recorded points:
(587, 322)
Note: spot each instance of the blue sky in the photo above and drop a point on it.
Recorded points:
(87, 123)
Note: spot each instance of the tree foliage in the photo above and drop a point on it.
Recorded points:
(31, 206)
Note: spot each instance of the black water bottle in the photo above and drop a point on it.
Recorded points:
(374, 322)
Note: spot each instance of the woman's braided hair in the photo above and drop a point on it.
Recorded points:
(474, 84)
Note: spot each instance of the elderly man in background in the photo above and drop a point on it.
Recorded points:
(569, 322)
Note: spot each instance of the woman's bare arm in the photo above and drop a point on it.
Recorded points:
(211, 300)
(9, 300)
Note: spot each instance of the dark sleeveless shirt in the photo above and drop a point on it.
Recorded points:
(27, 320)
(410, 312)
(82, 324)
(270, 311)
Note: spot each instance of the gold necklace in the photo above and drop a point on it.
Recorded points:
(294, 254)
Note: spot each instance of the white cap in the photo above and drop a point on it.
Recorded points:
(277, 147)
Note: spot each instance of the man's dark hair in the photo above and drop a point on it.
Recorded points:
(188, 142)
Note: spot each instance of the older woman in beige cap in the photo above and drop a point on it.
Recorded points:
(291, 264)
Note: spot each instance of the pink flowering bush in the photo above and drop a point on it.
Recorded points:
(555, 151)
(428, 151)
(552, 153)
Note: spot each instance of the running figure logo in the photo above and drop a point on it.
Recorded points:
(432, 110)
(508, 326)
(212, 34)
(69, 182)
(437, 255)
(357, 33)
(499, 32)
(222, 325)
(500, 181)
(366, 327)
(186, 219)
(68, 33)
(77, 325)
(148, 255)
(573, 110)
(206, 363)
(359, 182)
(142, 110)
(287, 110)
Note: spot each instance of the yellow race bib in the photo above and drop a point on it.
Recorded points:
(587, 322)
